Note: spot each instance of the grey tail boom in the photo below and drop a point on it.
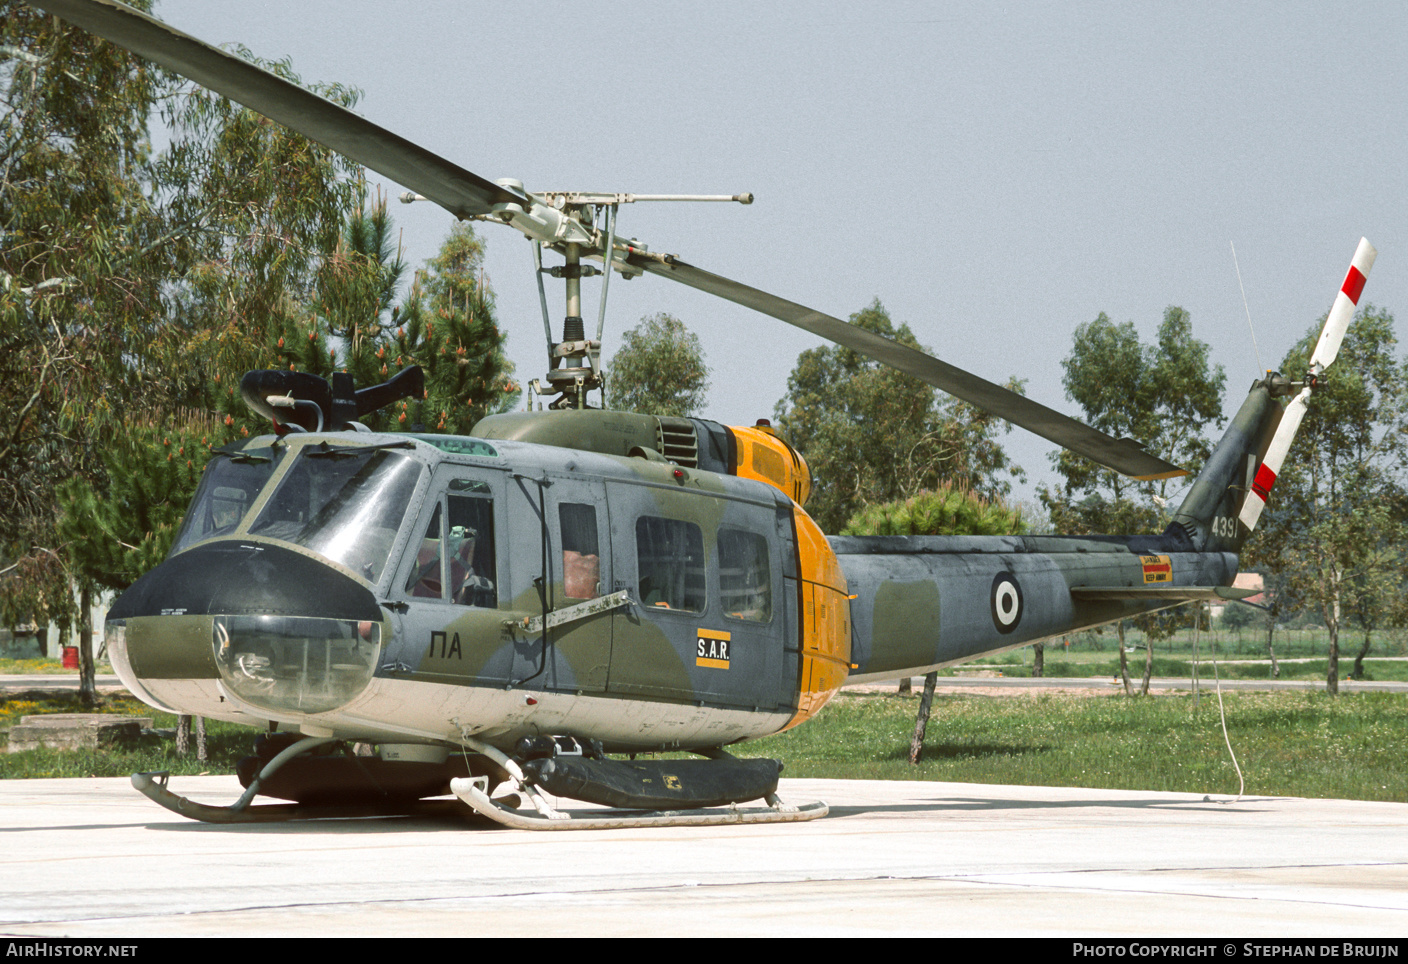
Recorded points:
(924, 602)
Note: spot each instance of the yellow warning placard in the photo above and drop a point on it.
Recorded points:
(1157, 569)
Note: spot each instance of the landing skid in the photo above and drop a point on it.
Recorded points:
(472, 790)
(153, 786)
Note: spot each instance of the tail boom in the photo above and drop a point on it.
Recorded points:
(925, 602)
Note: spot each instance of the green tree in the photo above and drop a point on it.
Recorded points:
(1337, 508)
(658, 370)
(80, 283)
(1164, 395)
(445, 324)
(254, 215)
(123, 525)
(947, 511)
(136, 290)
(448, 327)
(126, 281)
(871, 434)
(75, 288)
(120, 529)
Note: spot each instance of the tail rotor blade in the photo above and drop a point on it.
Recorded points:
(1275, 457)
(1327, 348)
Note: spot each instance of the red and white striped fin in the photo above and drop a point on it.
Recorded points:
(1326, 349)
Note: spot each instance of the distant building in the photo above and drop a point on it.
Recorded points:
(31, 641)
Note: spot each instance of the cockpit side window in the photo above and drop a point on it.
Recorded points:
(427, 579)
(455, 559)
(469, 547)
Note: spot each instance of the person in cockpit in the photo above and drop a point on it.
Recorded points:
(470, 588)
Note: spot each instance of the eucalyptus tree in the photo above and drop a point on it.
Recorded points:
(127, 279)
(871, 434)
(1337, 516)
(80, 278)
(659, 369)
(1166, 396)
(254, 216)
(80, 284)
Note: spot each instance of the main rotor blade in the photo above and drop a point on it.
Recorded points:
(1124, 455)
(462, 193)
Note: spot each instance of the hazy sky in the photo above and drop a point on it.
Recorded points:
(996, 174)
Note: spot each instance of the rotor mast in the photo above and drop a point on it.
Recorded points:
(577, 225)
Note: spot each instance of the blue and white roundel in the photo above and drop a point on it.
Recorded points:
(1006, 602)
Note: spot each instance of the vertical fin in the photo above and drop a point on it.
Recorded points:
(1208, 515)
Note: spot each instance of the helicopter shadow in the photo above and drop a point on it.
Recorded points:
(341, 826)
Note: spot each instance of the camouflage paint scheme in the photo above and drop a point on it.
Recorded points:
(643, 674)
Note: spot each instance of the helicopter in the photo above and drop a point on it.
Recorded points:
(507, 614)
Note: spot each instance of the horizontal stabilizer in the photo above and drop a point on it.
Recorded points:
(1188, 593)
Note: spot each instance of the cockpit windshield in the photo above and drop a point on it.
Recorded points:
(346, 504)
(228, 488)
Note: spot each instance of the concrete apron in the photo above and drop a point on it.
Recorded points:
(94, 858)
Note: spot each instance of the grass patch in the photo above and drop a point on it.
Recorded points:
(1107, 666)
(1288, 744)
(1303, 744)
(33, 667)
(225, 742)
(46, 667)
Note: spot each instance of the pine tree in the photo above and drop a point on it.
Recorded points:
(447, 326)
(947, 511)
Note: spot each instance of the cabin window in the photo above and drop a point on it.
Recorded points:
(745, 575)
(581, 556)
(670, 563)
